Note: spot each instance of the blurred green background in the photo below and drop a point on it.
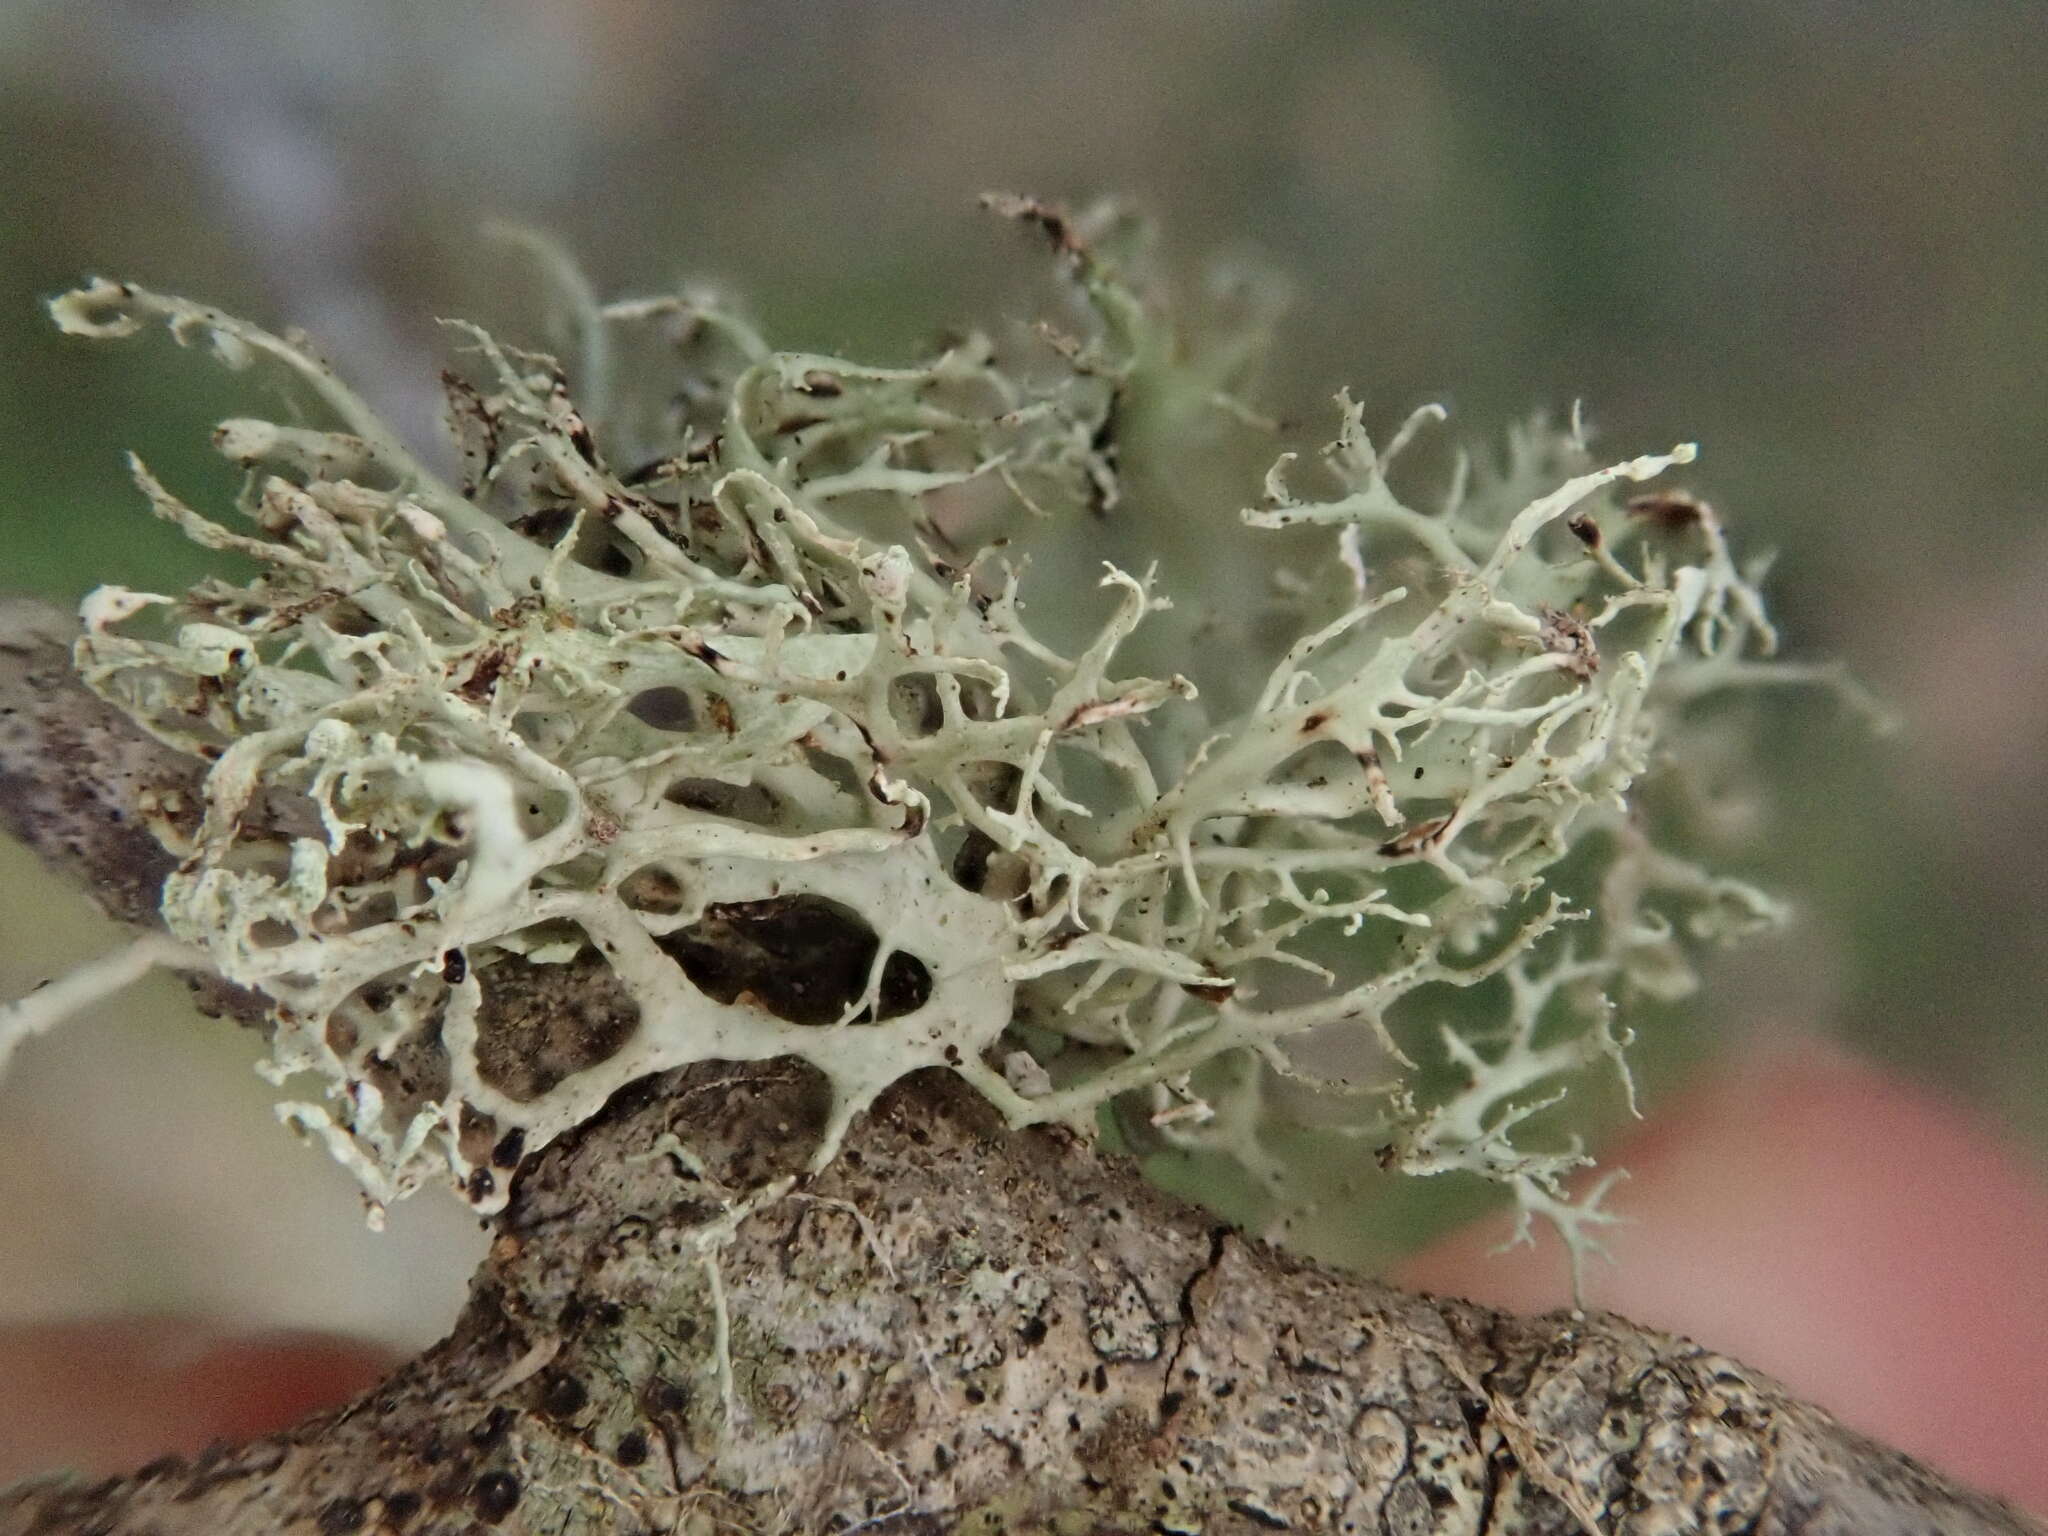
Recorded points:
(1810, 235)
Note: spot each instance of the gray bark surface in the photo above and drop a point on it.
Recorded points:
(953, 1329)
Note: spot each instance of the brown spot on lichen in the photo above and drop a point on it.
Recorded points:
(474, 1132)
(1673, 511)
(486, 669)
(1048, 219)
(510, 1149)
(1419, 838)
(1568, 637)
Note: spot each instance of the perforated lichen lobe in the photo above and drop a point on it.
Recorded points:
(712, 716)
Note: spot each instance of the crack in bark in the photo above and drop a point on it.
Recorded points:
(1170, 1398)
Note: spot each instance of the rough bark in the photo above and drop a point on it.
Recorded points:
(954, 1329)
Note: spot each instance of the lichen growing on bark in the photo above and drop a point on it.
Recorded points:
(715, 693)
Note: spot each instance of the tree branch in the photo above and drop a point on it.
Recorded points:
(953, 1329)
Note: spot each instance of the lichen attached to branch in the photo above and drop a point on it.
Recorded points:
(720, 713)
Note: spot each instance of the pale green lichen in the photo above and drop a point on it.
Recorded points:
(739, 668)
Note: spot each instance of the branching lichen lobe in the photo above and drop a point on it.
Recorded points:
(754, 745)
(606, 843)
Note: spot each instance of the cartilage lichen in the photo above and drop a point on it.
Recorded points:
(712, 714)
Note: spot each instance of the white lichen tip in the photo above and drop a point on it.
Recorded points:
(55, 1001)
